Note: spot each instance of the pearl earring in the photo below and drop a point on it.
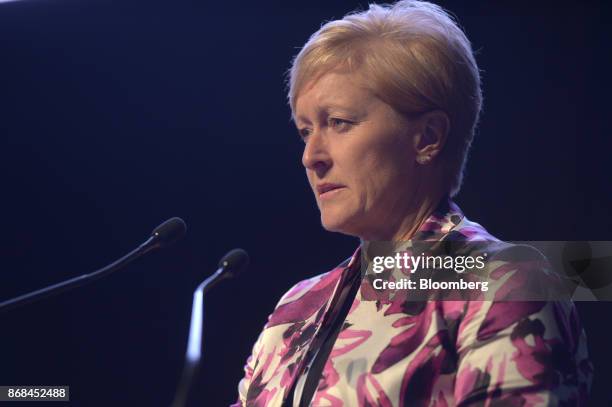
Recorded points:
(423, 159)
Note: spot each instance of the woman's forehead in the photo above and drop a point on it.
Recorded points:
(335, 89)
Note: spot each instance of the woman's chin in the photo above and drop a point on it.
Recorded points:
(338, 224)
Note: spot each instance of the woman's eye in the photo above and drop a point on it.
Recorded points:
(339, 124)
(304, 133)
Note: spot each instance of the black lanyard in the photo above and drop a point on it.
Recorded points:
(322, 354)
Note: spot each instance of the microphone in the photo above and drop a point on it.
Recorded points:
(162, 236)
(167, 233)
(231, 265)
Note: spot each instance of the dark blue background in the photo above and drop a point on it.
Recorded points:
(115, 115)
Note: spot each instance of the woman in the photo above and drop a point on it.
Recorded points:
(386, 102)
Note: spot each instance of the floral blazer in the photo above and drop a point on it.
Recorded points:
(433, 353)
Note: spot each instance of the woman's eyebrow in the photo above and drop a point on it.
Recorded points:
(301, 119)
(327, 109)
(354, 111)
(335, 105)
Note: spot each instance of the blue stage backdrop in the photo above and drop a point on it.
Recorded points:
(117, 115)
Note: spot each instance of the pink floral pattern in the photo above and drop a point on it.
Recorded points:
(402, 352)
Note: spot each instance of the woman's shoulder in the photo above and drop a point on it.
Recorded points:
(307, 297)
(475, 237)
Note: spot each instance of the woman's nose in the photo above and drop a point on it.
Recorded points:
(316, 154)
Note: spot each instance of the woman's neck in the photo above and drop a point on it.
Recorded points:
(412, 221)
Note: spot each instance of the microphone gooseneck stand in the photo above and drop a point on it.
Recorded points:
(231, 265)
(165, 234)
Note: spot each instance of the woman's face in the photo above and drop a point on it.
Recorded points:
(359, 156)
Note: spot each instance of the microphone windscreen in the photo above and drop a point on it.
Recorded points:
(235, 262)
(170, 231)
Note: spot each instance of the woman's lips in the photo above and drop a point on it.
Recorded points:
(327, 191)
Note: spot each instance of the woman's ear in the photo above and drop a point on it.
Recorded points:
(435, 126)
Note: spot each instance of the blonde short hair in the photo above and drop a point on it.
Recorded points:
(414, 57)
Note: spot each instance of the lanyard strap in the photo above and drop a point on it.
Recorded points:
(306, 385)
